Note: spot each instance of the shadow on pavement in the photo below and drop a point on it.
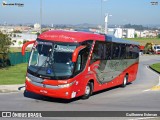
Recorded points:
(46, 98)
(21, 87)
(108, 89)
(58, 100)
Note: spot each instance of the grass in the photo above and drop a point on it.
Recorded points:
(13, 74)
(18, 49)
(156, 66)
(143, 41)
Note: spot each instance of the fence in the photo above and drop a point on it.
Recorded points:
(17, 58)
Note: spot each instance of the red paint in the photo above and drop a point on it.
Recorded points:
(68, 36)
(25, 45)
(75, 53)
(141, 48)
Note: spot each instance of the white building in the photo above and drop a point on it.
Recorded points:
(37, 26)
(130, 33)
(118, 32)
(147, 33)
(122, 32)
(6, 29)
(19, 38)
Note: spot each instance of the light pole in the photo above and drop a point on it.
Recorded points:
(101, 17)
(106, 22)
(40, 16)
(101, 23)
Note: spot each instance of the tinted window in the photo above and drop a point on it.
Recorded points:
(81, 60)
(116, 48)
(114, 51)
(102, 51)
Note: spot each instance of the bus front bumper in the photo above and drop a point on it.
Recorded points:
(64, 93)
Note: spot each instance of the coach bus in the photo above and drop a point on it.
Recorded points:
(69, 64)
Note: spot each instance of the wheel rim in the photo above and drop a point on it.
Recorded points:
(87, 90)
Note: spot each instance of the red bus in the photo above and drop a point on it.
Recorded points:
(69, 64)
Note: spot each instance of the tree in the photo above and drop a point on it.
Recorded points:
(158, 36)
(14, 35)
(5, 42)
(19, 43)
(38, 34)
(25, 41)
(135, 35)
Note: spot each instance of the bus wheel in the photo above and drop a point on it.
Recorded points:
(88, 91)
(125, 80)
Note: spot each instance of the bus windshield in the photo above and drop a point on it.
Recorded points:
(52, 60)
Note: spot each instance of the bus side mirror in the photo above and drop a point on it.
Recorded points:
(25, 45)
(75, 53)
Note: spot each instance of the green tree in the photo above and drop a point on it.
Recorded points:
(38, 34)
(135, 35)
(20, 43)
(14, 35)
(5, 42)
(158, 36)
(25, 41)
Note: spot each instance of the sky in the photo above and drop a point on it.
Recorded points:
(81, 11)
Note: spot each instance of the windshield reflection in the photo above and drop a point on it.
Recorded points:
(52, 60)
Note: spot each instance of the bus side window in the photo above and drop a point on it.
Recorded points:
(96, 54)
(123, 51)
(82, 60)
(107, 51)
(116, 51)
(78, 65)
(102, 51)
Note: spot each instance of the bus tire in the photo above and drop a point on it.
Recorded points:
(88, 91)
(125, 81)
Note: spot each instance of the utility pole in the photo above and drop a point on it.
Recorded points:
(101, 17)
(40, 16)
(102, 22)
(106, 22)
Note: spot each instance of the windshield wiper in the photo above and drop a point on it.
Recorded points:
(44, 63)
(49, 60)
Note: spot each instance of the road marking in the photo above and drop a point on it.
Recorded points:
(156, 87)
(146, 90)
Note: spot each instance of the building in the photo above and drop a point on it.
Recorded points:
(147, 33)
(19, 38)
(122, 32)
(37, 26)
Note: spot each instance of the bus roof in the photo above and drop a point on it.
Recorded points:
(79, 36)
(110, 38)
(70, 36)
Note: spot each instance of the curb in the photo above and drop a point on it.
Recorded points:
(157, 87)
(11, 88)
(154, 70)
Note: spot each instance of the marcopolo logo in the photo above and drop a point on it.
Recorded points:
(4, 3)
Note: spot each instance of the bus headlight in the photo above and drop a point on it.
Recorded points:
(66, 85)
(28, 79)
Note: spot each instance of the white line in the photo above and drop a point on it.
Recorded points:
(147, 67)
(146, 90)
